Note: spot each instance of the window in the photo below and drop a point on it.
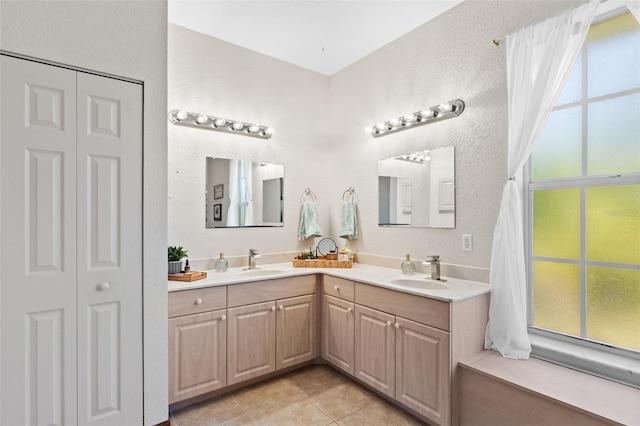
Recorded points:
(583, 202)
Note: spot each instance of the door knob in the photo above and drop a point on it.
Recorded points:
(103, 286)
(273, 308)
(198, 302)
(388, 323)
(223, 318)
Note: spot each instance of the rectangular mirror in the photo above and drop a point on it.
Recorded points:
(242, 194)
(417, 190)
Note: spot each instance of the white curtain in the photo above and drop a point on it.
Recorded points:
(248, 201)
(233, 214)
(539, 59)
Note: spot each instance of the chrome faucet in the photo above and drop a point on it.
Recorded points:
(434, 261)
(253, 255)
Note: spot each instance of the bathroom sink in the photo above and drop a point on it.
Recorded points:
(421, 283)
(260, 272)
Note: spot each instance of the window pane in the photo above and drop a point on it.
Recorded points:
(556, 298)
(614, 136)
(613, 224)
(572, 90)
(556, 223)
(610, 46)
(613, 306)
(558, 152)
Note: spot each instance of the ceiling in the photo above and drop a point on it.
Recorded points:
(322, 36)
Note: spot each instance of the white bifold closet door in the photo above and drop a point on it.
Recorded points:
(71, 255)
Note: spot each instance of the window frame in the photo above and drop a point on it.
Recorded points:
(601, 359)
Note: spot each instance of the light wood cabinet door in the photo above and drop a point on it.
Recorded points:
(295, 330)
(375, 351)
(422, 370)
(338, 333)
(251, 337)
(197, 354)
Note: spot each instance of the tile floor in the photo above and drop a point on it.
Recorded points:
(314, 395)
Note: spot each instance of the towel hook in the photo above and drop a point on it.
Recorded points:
(350, 194)
(307, 193)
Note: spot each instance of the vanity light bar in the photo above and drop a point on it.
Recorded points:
(441, 112)
(201, 121)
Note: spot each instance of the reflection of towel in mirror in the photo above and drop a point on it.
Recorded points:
(309, 226)
(349, 221)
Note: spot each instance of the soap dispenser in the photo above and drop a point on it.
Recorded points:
(408, 267)
(221, 264)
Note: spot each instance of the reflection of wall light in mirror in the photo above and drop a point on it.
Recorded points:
(202, 121)
(441, 112)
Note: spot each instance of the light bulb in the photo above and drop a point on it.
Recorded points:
(269, 131)
(394, 122)
(237, 125)
(445, 107)
(381, 126)
(201, 119)
(181, 115)
(409, 118)
(426, 113)
(254, 128)
(219, 122)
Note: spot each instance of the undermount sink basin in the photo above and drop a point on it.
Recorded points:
(260, 272)
(420, 283)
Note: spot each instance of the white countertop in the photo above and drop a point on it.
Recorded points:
(454, 290)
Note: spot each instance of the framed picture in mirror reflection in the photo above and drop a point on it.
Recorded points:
(218, 191)
(217, 212)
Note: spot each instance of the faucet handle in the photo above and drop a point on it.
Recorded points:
(253, 251)
(434, 258)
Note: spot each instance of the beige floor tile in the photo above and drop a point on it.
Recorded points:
(293, 411)
(213, 412)
(340, 397)
(261, 395)
(378, 414)
(307, 379)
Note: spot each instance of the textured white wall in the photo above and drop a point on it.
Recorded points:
(450, 57)
(319, 125)
(127, 39)
(216, 78)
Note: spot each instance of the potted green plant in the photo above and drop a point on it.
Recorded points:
(176, 254)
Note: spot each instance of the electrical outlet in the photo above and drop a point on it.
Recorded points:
(467, 242)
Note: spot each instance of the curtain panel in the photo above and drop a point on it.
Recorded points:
(539, 60)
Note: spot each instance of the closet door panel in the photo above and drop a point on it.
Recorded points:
(109, 162)
(38, 251)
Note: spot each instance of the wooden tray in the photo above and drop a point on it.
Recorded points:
(188, 276)
(322, 263)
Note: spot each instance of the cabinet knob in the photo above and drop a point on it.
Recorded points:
(198, 302)
(223, 318)
(397, 325)
(273, 308)
(336, 288)
(349, 310)
(103, 286)
(388, 323)
(281, 307)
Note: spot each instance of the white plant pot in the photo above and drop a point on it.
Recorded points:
(175, 267)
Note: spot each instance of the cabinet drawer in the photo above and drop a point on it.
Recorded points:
(197, 300)
(263, 291)
(338, 287)
(416, 308)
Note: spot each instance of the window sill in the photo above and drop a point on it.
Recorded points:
(556, 385)
(618, 368)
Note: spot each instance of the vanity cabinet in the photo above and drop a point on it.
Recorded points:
(197, 342)
(277, 332)
(338, 323)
